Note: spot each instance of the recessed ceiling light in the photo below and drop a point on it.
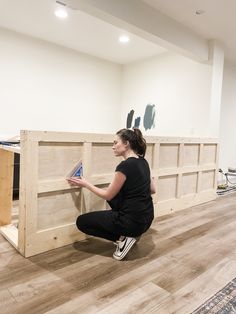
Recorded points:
(124, 39)
(61, 13)
(199, 12)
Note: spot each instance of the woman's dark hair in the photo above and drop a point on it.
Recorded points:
(136, 141)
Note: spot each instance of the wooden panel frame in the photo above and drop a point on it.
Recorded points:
(31, 240)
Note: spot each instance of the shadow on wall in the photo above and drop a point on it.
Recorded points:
(148, 119)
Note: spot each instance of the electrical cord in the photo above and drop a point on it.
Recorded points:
(226, 175)
(227, 190)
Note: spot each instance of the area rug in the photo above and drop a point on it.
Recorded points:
(223, 302)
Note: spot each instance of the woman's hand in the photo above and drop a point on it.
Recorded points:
(108, 193)
(78, 181)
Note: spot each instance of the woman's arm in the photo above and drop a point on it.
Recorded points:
(153, 186)
(108, 193)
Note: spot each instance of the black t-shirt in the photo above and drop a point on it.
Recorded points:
(134, 199)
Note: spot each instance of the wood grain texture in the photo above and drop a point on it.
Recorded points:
(181, 261)
(6, 186)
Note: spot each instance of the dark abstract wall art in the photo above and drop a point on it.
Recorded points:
(129, 119)
(149, 117)
(137, 122)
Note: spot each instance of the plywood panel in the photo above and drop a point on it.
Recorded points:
(209, 153)
(58, 208)
(56, 160)
(189, 183)
(167, 187)
(168, 155)
(149, 154)
(97, 203)
(103, 159)
(191, 154)
(6, 186)
(208, 178)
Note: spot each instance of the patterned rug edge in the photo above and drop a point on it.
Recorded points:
(223, 302)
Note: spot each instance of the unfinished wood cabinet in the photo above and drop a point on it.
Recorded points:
(185, 171)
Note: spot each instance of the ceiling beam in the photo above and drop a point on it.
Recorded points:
(143, 20)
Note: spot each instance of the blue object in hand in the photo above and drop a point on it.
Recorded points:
(78, 172)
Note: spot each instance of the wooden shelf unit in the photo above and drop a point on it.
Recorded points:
(185, 171)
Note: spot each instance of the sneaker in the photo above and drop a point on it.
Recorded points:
(137, 240)
(123, 247)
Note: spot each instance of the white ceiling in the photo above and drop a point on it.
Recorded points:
(218, 22)
(79, 31)
(90, 35)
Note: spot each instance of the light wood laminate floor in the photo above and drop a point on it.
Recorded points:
(178, 264)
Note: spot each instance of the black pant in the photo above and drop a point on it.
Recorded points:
(110, 225)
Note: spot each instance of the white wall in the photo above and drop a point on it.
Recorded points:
(180, 88)
(48, 87)
(228, 119)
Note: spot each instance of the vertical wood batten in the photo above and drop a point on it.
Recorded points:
(86, 159)
(179, 191)
(200, 162)
(217, 169)
(155, 165)
(22, 196)
(29, 192)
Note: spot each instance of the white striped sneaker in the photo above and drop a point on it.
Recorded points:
(123, 247)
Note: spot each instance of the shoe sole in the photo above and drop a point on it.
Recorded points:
(119, 258)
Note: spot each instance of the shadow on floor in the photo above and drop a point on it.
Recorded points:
(102, 247)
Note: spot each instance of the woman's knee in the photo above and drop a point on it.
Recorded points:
(81, 222)
(85, 221)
